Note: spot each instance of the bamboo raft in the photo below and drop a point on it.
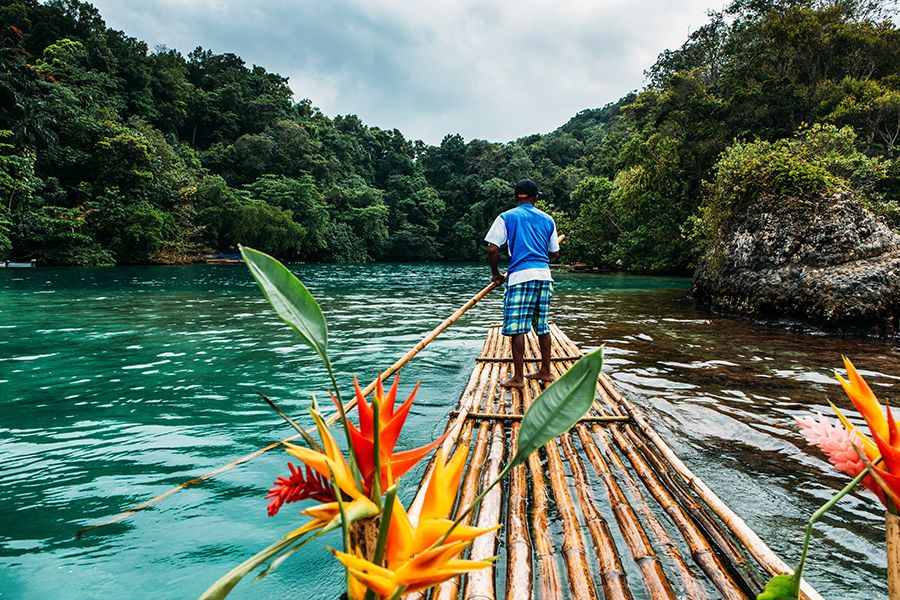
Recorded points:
(607, 510)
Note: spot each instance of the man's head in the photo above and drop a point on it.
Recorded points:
(526, 191)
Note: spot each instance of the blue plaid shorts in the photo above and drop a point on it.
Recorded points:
(526, 304)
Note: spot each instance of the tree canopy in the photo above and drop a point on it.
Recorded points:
(113, 153)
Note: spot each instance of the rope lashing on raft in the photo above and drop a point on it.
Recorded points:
(491, 359)
(488, 416)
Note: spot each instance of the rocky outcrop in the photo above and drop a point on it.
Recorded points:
(828, 262)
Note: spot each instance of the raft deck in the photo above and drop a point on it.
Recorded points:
(607, 510)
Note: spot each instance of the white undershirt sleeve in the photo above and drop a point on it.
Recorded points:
(553, 246)
(497, 233)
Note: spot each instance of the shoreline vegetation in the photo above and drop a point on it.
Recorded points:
(115, 153)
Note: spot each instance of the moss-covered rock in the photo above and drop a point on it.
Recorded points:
(827, 261)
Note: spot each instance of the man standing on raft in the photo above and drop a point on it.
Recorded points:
(531, 237)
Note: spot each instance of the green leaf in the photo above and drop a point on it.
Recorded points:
(290, 299)
(780, 587)
(226, 583)
(559, 406)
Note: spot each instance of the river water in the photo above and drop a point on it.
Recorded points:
(116, 384)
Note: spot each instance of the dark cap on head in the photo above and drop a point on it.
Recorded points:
(526, 189)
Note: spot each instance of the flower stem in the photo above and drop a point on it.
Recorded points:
(798, 572)
(345, 526)
(376, 425)
(398, 593)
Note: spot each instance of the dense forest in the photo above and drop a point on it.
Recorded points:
(111, 152)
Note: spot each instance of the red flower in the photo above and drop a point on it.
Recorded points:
(297, 487)
(390, 422)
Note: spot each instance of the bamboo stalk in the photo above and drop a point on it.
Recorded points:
(348, 406)
(480, 584)
(738, 564)
(519, 572)
(612, 574)
(544, 546)
(469, 400)
(534, 359)
(692, 587)
(701, 551)
(657, 584)
(892, 533)
(484, 416)
(760, 552)
(748, 538)
(543, 543)
(573, 546)
(577, 568)
(688, 506)
(469, 488)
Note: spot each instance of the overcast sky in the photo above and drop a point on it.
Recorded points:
(482, 68)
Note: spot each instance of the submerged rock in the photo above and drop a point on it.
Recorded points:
(827, 261)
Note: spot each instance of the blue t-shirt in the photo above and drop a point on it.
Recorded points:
(529, 236)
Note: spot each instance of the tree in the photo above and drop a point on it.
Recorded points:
(304, 203)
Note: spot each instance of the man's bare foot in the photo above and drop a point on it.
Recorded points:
(514, 382)
(541, 376)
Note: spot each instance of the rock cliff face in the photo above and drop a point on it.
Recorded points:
(828, 262)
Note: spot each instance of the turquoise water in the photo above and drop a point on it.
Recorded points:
(116, 384)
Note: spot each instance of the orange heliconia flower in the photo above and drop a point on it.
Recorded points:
(390, 422)
(883, 428)
(412, 561)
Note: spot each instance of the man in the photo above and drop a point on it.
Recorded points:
(531, 237)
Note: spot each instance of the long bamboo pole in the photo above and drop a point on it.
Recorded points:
(658, 586)
(748, 538)
(543, 542)
(745, 573)
(480, 583)
(577, 568)
(544, 546)
(562, 344)
(348, 406)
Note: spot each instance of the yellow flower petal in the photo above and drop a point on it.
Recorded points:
(443, 485)
(400, 536)
(864, 400)
(430, 531)
(379, 579)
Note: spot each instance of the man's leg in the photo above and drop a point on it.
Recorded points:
(518, 352)
(516, 308)
(542, 326)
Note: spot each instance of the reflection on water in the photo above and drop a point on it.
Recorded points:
(116, 384)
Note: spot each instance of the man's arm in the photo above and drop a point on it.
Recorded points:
(494, 259)
(495, 238)
(553, 244)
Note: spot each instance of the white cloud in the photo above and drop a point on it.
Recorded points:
(486, 69)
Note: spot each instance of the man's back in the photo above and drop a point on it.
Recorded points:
(528, 235)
